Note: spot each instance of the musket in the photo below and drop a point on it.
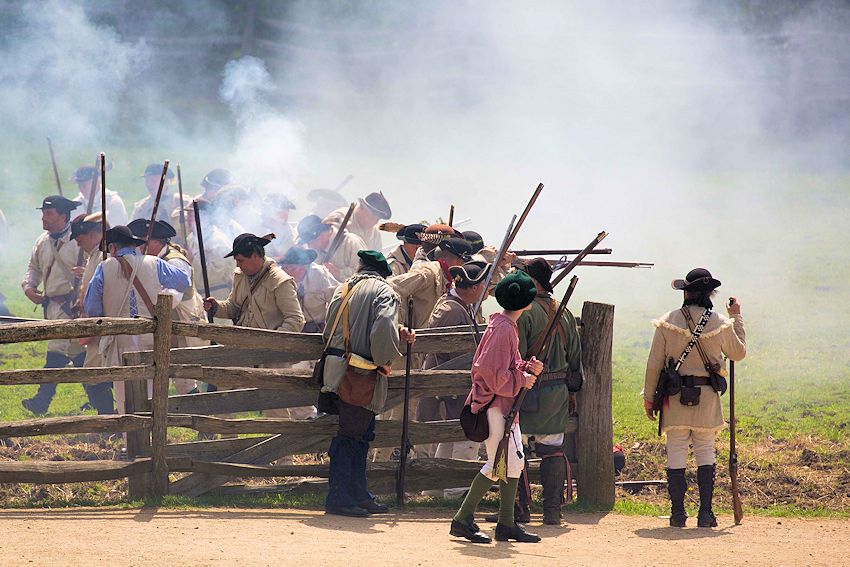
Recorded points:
(345, 182)
(405, 441)
(451, 215)
(340, 235)
(103, 203)
(7, 319)
(155, 206)
(558, 264)
(203, 257)
(579, 257)
(81, 252)
(500, 462)
(737, 508)
(499, 256)
(55, 169)
(182, 205)
(568, 252)
(522, 217)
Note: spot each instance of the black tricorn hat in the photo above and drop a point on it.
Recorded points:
(474, 239)
(377, 203)
(161, 229)
(299, 256)
(156, 169)
(698, 279)
(540, 270)
(80, 225)
(216, 179)
(457, 246)
(310, 227)
(410, 233)
(58, 202)
(122, 235)
(469, 274)
(244, 243)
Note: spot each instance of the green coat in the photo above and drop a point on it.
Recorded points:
(554, 398)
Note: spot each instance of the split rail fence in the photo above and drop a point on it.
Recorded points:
(232, 365)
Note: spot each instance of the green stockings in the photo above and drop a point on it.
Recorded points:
(480, 485)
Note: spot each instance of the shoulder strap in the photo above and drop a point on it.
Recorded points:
(694, 336)
(466, 311)
(551, 309)
(140, 289)
(251, 289)
(700, 350)
(347, 292)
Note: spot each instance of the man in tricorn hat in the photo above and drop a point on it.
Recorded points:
(368, 212)
(545, 415)
(326, 201)
(127, 285)
(276, 209)
(703, 374)
(453, 309)
(316, 285)
(401, 257)
(263, 295)
(216, 245)
(51, 265)
(319, 236)
(213, 182)
(354, 383)
(188, 305)
(143, 209)
(116, 212)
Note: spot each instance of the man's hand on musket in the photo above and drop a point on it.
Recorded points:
(34, 295)
(407, 336)
(647, 407)
(211, 305)
(507, 260)
(78, 271)
(529, 380)
(535, 366)
(385, 370)
(733, 307)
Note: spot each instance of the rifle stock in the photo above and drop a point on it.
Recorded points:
(737, 507)
(340, 235)
(203, 257)
(405, 441)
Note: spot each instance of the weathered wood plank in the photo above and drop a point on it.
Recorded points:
(307, 344)
(73, 329)
(216, 355)
(159, 400)
(84, 375)
(56, 472)
(212, 450)
(75, 424)
(594, 403)
(138, 442)
(235, 401)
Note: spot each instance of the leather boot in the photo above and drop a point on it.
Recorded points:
(705, 479)
(522, 503)
(515, 532)
(553, 475)
(677, 485)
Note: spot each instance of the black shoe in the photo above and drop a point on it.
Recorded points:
(350, 511)
(374, 507)
(86, 407)
(194, 390)
(469, 531)
(706, 519)
(678, 519)
(30, 405)
(515, 532)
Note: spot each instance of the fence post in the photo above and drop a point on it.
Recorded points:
(138, 442)
(595, 482)
(159, 402)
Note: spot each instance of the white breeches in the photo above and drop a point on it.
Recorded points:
(516, 458)
(678, 441)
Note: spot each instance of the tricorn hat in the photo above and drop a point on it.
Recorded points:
(540, 270)
(299, 256)
(122, 235)
(85, 224)
(469, 274)
(245, 242)
(410, 233)
(86, 172)
(376, 261)
(698, 279)
(327, 200)
(217, 178)
(161, 229)
(60, 203)
(156, 169)
(457, 246)
(377, 203)
(474, 239)
(311, 227)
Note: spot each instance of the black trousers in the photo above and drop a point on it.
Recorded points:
(348, 451)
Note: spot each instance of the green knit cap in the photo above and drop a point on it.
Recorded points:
(376, 261)
(516, 291)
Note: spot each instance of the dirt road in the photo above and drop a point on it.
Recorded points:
(299, 537)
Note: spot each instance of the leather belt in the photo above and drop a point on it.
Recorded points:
(697, 380)
(553, 376)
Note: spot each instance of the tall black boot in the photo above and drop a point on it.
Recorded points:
(522, 503)
(677, 485)
(553, 476)
(705, 479)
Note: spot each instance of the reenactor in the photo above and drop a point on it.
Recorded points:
(232, 201)
(548, 405)
(693, 415)
(316, 286)
(319, 235)
(453, 309)
(188, 305)
(51, 266)
(168, 202)
(216, 245)
(87, 231)
(116, 213)
(401, 257)
(325, 201)
(368, 212)
(212, 183)
(263, 295)
(126, 285)
(275, 219)
(364, 343)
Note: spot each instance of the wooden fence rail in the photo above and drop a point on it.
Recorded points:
(210, 464)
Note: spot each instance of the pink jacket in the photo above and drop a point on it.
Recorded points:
(497, 368)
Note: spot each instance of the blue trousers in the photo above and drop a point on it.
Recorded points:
(347, 485)
(100, 395)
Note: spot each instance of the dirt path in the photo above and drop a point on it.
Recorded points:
(298, 537)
